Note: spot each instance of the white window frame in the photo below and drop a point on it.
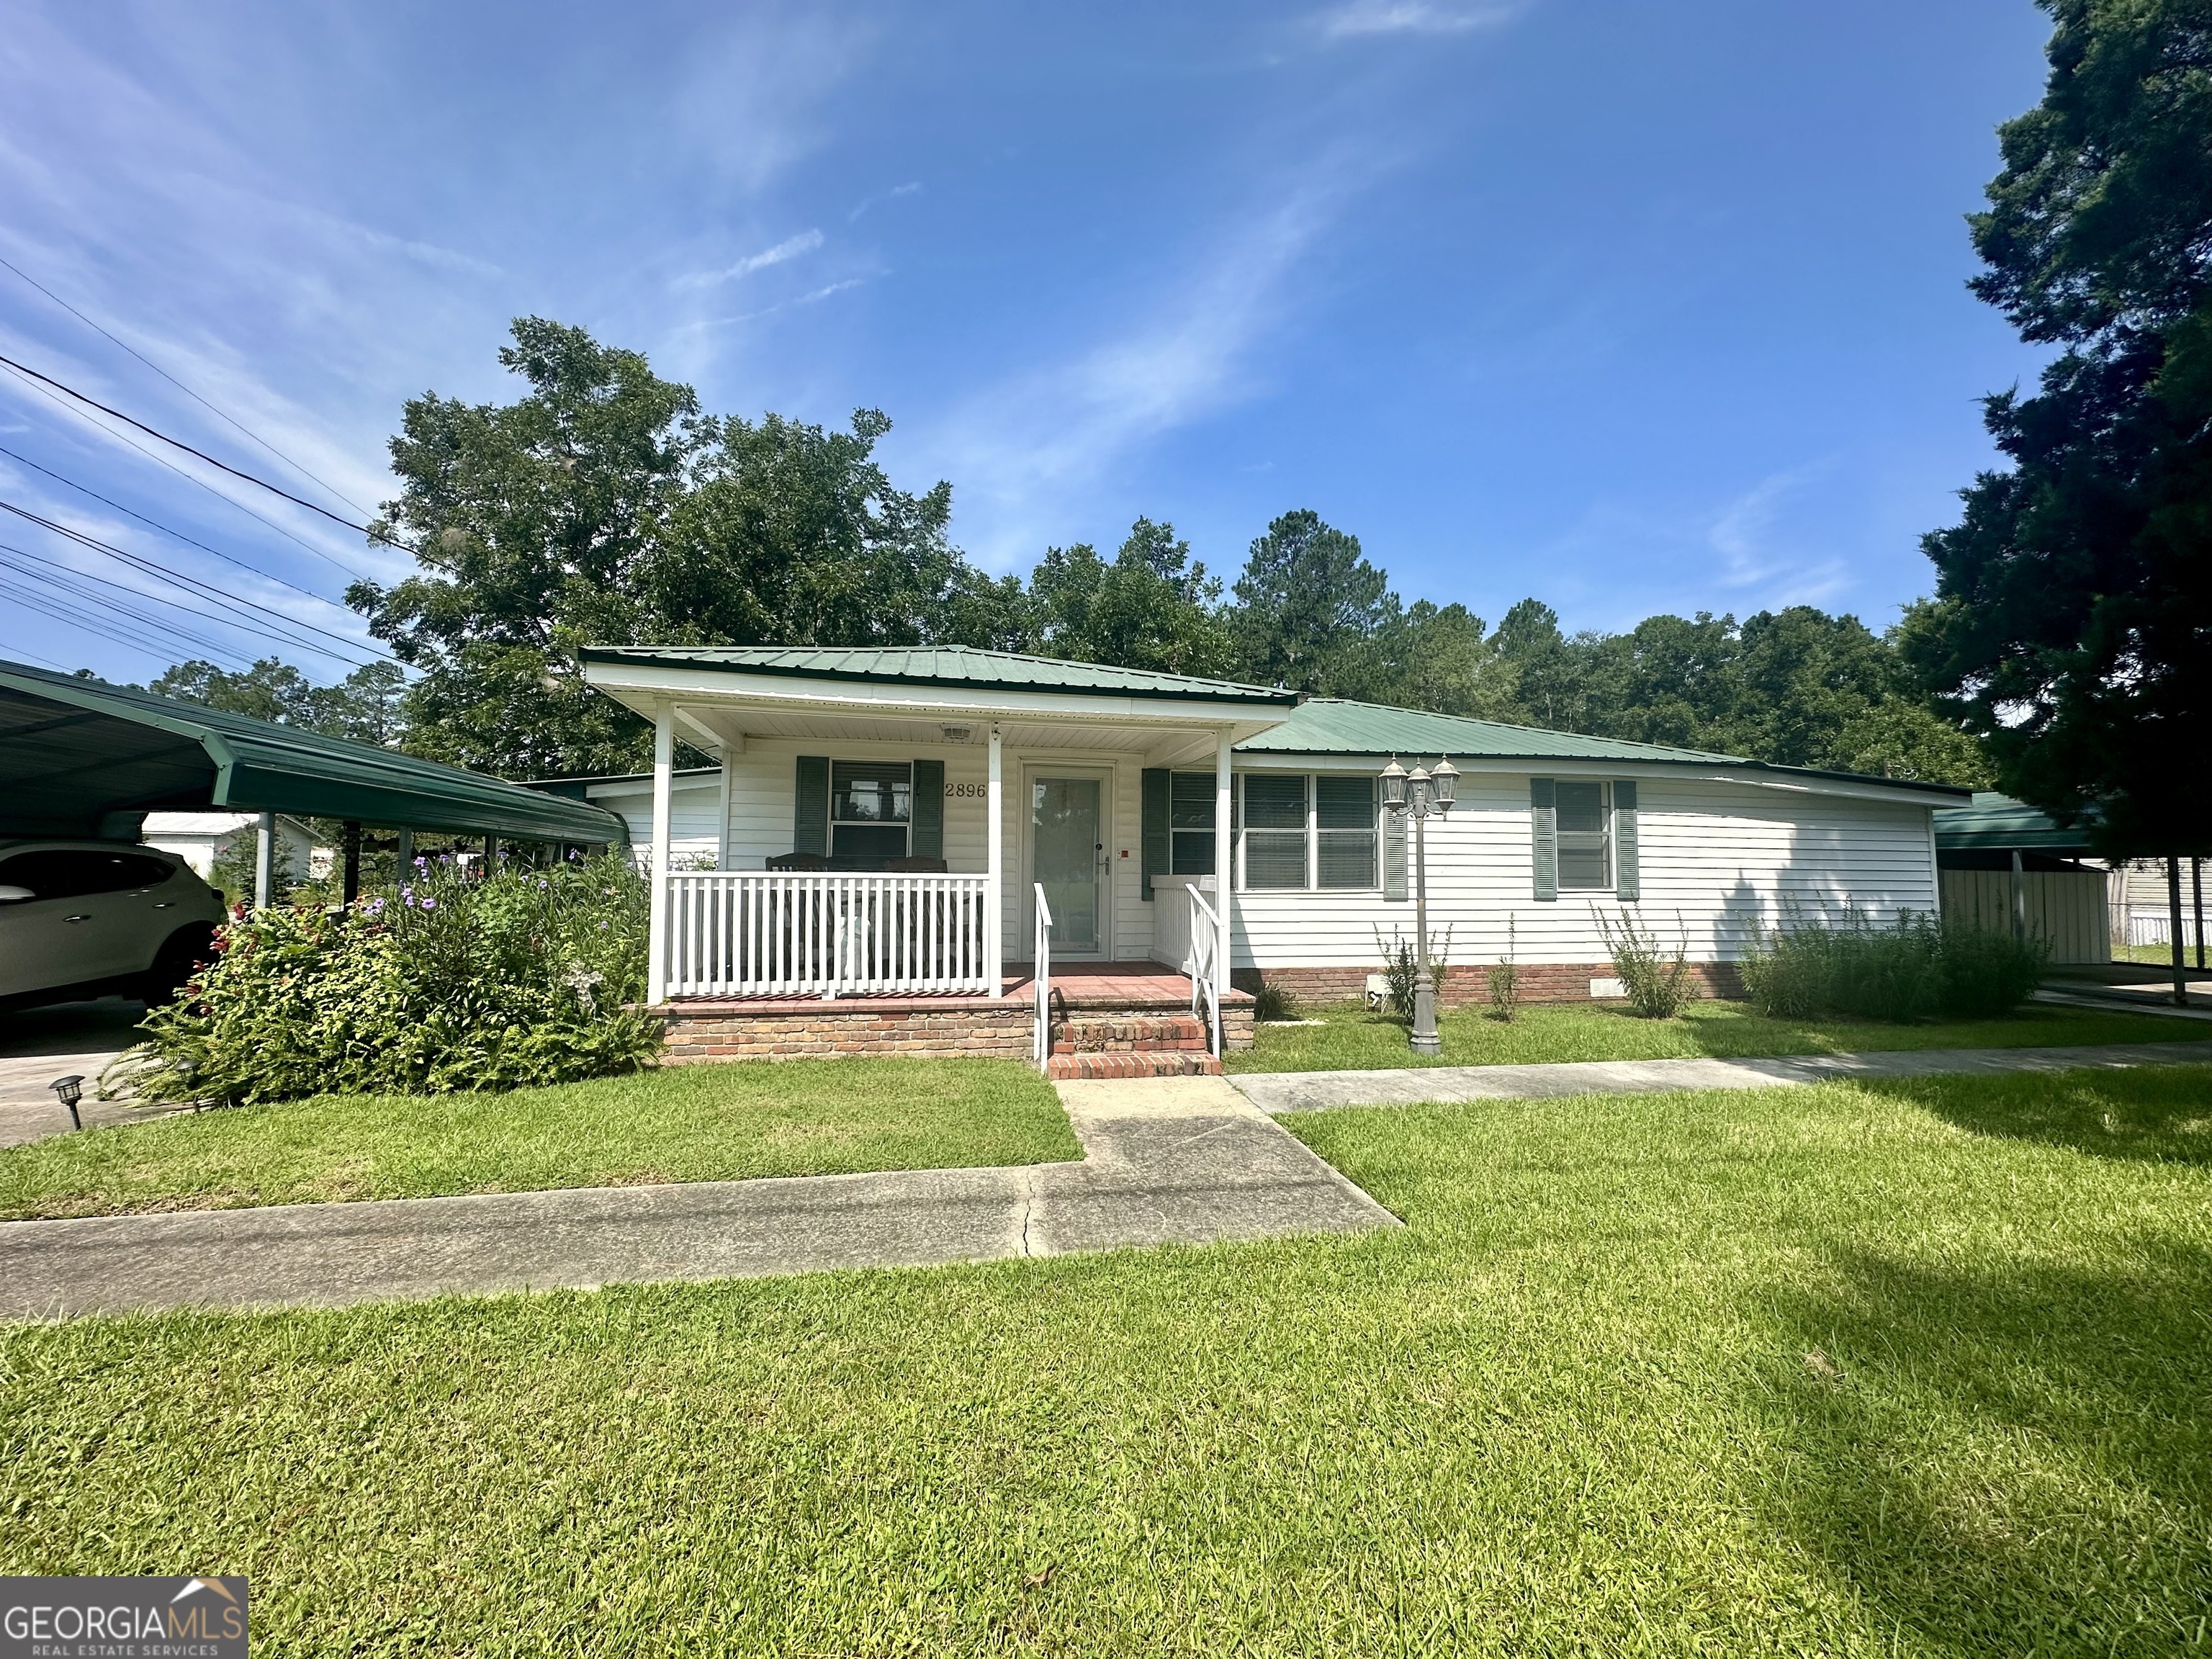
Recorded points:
(1607, 839)
(1313, 833)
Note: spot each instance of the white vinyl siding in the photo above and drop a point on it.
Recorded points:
(1725, 858)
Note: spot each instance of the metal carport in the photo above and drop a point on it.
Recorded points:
(82, 758)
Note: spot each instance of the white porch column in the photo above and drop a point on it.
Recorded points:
(994, 838)
(265, 860)
(1225, 882)
(663, 770)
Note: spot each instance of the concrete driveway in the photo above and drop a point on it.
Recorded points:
(38, 1045)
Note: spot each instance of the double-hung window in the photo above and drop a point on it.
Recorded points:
(1274, 830)
(870, 809)
(1344, 832)
(1190, 823)
(1585, 825)
(1305, 831)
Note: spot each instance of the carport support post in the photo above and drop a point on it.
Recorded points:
(2174, 927)
(995, 861)
(664, 770)
(1224, 879)
(265, 860)
(350, 885)
(2196, 890)
(2018, 897)
(406, 854)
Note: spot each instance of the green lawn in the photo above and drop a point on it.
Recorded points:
(1847, 1370)
(718, 1122)
(1353, 1039)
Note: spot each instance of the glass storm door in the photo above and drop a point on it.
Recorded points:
(1068, 847)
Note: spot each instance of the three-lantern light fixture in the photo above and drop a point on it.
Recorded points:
(1423, 790)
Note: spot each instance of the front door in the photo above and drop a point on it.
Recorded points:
(1067, 859)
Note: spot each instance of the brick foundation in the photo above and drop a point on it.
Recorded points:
(1540, 981)
(922, 1028)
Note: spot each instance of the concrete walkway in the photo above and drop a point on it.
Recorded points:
(1276, 1092)
(1166, 1160)
(38, 1045)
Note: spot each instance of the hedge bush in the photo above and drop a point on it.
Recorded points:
(1914, 968)
(443, 983)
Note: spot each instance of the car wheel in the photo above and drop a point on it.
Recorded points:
(182, 955)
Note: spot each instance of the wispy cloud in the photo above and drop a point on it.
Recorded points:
(913, 187)
(1372, 17)
(1743, 534)
(790, 248)
(1023, 449)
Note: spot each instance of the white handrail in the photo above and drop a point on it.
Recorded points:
(1040, 1038)
(1205, 952)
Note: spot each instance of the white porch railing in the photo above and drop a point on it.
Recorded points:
(769, 933)
(1041, 1035)
(1205, 956)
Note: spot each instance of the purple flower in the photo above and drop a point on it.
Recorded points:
(430, 904)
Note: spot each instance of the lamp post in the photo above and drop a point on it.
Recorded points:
(1419, 793)
(71, 1090)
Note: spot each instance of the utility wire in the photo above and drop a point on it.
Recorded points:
(179, 443)
(193, 479)
(182, 387)
(76, 602)
(178, 580)
(54, 571)
(19, 651)
(108, 628)
(305, 593)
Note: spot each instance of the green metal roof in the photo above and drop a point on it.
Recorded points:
(1999, 822)
(75, 751)
(1331, 726)
(941, 664)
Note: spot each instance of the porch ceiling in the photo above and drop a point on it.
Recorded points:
(718, 727)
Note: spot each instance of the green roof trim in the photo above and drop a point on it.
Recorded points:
(2000, 823)
(1332, 725)
(958, 665)
(75, 752)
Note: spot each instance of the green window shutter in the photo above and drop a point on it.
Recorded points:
(1627, 887)
(929, 809)
(1544, 828)
(810, 807)
(1394, 856)
(1154, 850)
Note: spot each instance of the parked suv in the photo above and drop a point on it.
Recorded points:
(81, 918)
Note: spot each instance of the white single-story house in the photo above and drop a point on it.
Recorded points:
(901, 835)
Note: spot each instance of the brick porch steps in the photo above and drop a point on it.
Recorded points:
(1127, 1033)
(1156, 1062)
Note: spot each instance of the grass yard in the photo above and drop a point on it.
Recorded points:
(1352, 1039)
(715, 1122)
(1906, 1369)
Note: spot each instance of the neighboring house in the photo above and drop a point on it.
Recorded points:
(883, 821)
(695, 804)
(201, 838)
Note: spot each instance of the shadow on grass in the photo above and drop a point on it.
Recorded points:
(2008, 1462)
(2160, 1114)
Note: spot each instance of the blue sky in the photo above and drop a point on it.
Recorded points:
(1630, 308)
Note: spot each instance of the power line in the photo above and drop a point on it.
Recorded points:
(108, 628)
(244, 625)
(191, 583)
(192, 479)
(179, 443)
(182, 387)
(19, 651)
(305, 593)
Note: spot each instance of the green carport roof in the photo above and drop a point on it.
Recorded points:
(1998, 822)
(76, 752)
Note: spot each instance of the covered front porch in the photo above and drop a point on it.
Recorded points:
(936, 826)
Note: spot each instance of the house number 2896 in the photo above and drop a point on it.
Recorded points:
(967, 789)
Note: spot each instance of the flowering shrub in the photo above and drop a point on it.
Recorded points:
(441, 983)
(1911, 969)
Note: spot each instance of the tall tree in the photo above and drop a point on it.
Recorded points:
(365, 706)
(1310, 610)
(1153, 606)
(2073, 620)
(602, 507)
